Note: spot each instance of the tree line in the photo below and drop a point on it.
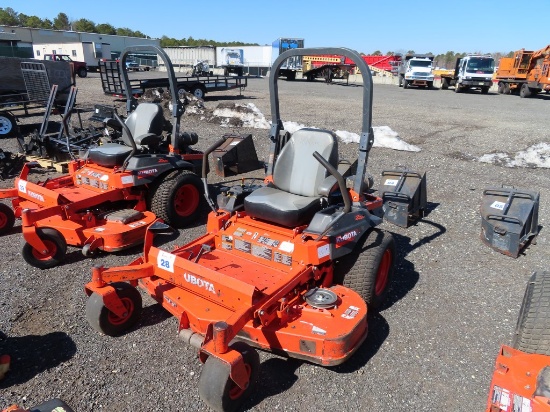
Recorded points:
(9, 17)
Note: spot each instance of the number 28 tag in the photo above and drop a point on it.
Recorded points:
(166, 260)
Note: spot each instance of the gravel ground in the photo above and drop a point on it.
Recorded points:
(432, 347)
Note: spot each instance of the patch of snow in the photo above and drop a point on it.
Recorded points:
(384, 136)
(249, 114)
(537, 155)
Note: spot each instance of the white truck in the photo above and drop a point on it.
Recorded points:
(473, 71)
(231, 60)
(416, 70)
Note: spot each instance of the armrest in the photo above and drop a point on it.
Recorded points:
(327, 186)
(147, 139)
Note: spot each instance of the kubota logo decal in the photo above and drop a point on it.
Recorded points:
(36, 196)
(147, 172)
(345, 238)
(201, 283)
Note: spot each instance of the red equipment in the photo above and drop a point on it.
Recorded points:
(289, 266)
(111, 196)
(521, 380)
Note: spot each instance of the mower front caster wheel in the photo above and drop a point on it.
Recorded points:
(7, 218)
(217, 389)
(57, 247)
(104, 321)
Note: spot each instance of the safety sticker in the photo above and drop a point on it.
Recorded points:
(242, 245)
(227, 246)
(104, 178)
(22, 186)
(498, 205)
(391, 182)
(522, 404)
(350, 312)
(287, 247)
(226, 238)
(166, 260)
(318, 331)
(99, 229)
(501, 398)
(137, 224)
(126, 180)
(281, 258)
(262, 251)
(323, 251)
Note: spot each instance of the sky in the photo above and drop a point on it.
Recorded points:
(367, 26)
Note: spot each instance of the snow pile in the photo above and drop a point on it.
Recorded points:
(245, 115)
(537, 155)
(384, 136)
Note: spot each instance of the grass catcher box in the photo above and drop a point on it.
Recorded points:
(236, 155)
(404, 196)
(509, 218)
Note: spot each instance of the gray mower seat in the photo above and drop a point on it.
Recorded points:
(294, 197)
(145, 124)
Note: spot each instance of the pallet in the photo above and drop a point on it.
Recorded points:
(61, 167)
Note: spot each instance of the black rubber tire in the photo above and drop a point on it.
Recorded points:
(165, 199)
(360, 269)
(507, 88)
(53, 240)
(430, 85)
(291, 76)
(217, 389)
(8, 125)
(240, 71)
(400, 80)
(104, 321)
(501, 88)
(532, 333)
(458, 89)
(198, 92)
(82, 72)
(405, 84)
(7, 218)
(524, 92)
(484, 90)
(444, 83)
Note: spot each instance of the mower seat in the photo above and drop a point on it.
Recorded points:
(109, 154)
(146, 124)
(295, 194)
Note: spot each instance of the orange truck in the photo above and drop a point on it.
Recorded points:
(526, 73)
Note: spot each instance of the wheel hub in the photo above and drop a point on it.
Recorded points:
(321, 298)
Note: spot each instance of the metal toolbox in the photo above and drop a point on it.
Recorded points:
(404, 196)
(509, 218)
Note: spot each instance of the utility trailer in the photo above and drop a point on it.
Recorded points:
(112, 82)
(25, 87)
(326, 67)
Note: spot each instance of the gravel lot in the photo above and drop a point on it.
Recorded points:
(432, 347)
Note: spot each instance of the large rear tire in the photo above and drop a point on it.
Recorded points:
(177, 198)
(217, 389)
(104, 321)
(532, 333)
(57, 247)
(405, 84)
(525, 91)
(369, 268)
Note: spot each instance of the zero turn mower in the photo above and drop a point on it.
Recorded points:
(289, 266)
(110, 195)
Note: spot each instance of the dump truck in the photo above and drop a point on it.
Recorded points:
(527, 73)
(473, 71)
(416, 70)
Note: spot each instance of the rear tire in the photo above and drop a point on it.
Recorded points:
(405, 84)
(501, 88)
(82, 72)
(484, 90)
(7, 218)
(524, 91)
(104, 321)
(444, 83)
(532, 333)
(198, 92)
(57, 247)
(457, 88)
(177, 198)
(217, 389)
(369, 268)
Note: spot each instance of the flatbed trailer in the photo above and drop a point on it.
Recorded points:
(112, 82)
(328, 72)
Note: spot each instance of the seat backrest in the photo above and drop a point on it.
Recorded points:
(146, 118)
(296, 170)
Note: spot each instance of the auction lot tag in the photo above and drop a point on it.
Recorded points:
(166, 260)
(391, 182)
(498, 205)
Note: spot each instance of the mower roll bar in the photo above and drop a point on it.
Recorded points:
(204, 174)
(177, 106)
(367, 136)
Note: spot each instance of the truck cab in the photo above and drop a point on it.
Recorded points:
(232, 61)
(474, 72)
(79, 67)
(416, 70)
